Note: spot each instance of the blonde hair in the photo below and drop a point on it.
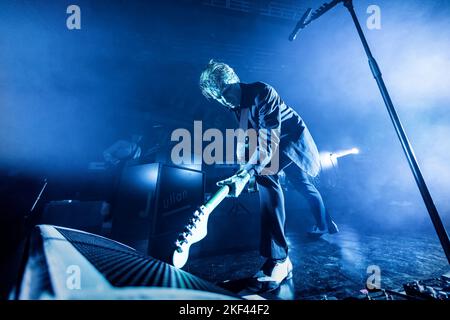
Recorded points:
(215, 77)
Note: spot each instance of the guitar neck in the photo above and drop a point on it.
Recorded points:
(217, 198)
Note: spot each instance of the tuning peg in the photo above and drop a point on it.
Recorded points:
(178, 246)
(201, 211)
(193, 222)
(182, 238)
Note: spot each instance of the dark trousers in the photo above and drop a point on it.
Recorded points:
(273, 216)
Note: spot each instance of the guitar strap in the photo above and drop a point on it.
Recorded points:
(243, 124)
(243, 121)
(242, 145)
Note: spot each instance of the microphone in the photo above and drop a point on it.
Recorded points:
(300, 24)
(308, 17)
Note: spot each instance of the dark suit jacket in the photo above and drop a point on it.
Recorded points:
(285, 129)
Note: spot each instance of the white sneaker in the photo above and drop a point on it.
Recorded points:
(277, 273)
(316, 232)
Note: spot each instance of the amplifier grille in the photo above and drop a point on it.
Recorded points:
(125, 267)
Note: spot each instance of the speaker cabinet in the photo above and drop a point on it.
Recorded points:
(153, 204)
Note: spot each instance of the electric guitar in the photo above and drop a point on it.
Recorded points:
(197, 228)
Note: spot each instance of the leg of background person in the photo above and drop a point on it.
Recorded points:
(302, 182)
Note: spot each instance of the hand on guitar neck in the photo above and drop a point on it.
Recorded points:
(236, 183)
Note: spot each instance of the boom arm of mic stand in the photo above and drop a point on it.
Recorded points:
(323, 9)
(309, 17)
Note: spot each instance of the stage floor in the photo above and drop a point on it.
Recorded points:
(336, 265)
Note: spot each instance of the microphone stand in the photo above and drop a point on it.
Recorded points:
(406, 145)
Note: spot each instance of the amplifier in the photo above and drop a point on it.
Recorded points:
(233, 226)
(153, 203)
(68, 264)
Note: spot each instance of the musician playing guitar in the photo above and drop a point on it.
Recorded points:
(287, 143)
